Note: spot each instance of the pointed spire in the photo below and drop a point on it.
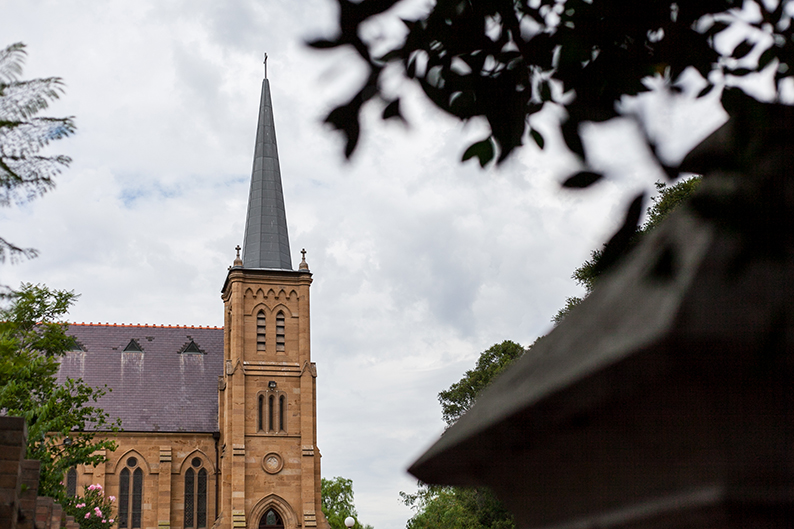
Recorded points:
(266, 242)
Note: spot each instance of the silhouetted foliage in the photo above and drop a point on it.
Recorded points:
(503, 60)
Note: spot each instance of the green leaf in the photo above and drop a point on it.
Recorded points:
(582, 179)
(483, 150)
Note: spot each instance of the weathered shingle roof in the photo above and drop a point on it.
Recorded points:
(159, 389)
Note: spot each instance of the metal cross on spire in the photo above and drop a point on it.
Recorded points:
(265, 63)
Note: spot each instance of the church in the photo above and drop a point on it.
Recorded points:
(219, 422)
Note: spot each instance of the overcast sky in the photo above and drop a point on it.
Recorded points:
(419, 262)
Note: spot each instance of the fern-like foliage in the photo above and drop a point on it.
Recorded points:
(25, 170)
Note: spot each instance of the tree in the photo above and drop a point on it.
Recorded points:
(337, 503)
(504, 60)
(59, 417)
(461, 395)
(668, 200)
(25, 172)
(455, 507)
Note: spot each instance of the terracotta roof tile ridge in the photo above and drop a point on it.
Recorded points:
(143, 325)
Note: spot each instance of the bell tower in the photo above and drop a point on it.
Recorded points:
(269, 464)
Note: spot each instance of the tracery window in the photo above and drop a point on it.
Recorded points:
(260, 331)
(130, 497)
(280, 338)
(196, 495)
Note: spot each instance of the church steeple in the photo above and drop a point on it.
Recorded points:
(266, 242)
(269, 462)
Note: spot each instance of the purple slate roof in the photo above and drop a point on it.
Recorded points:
(159, 389)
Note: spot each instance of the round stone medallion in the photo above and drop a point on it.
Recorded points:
(272, 463)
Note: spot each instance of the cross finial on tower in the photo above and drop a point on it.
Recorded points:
(304, 265)
(237, 260)
(265, 63)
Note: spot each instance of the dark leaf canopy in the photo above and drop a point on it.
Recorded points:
(503, 60)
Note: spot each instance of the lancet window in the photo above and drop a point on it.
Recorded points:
(261, 414)
(271, 412)
(282, 413)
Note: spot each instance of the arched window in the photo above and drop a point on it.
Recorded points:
(130, 498)
(260, 331)
(280, 331)
(196, 495)
(282, 413)
(271, 520)
(271, 404)
(261, 413)
(71, 482)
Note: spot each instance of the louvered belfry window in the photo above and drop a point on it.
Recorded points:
(280, 338)
(260, 331)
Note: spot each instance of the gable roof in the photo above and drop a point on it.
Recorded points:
(160, 389)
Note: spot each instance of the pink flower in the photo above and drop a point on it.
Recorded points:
(98, 512)
(111, 520)
(80, 505)
(112, 498)
(88, 515)
(91, 487)
(104, 521)
(98, 486)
